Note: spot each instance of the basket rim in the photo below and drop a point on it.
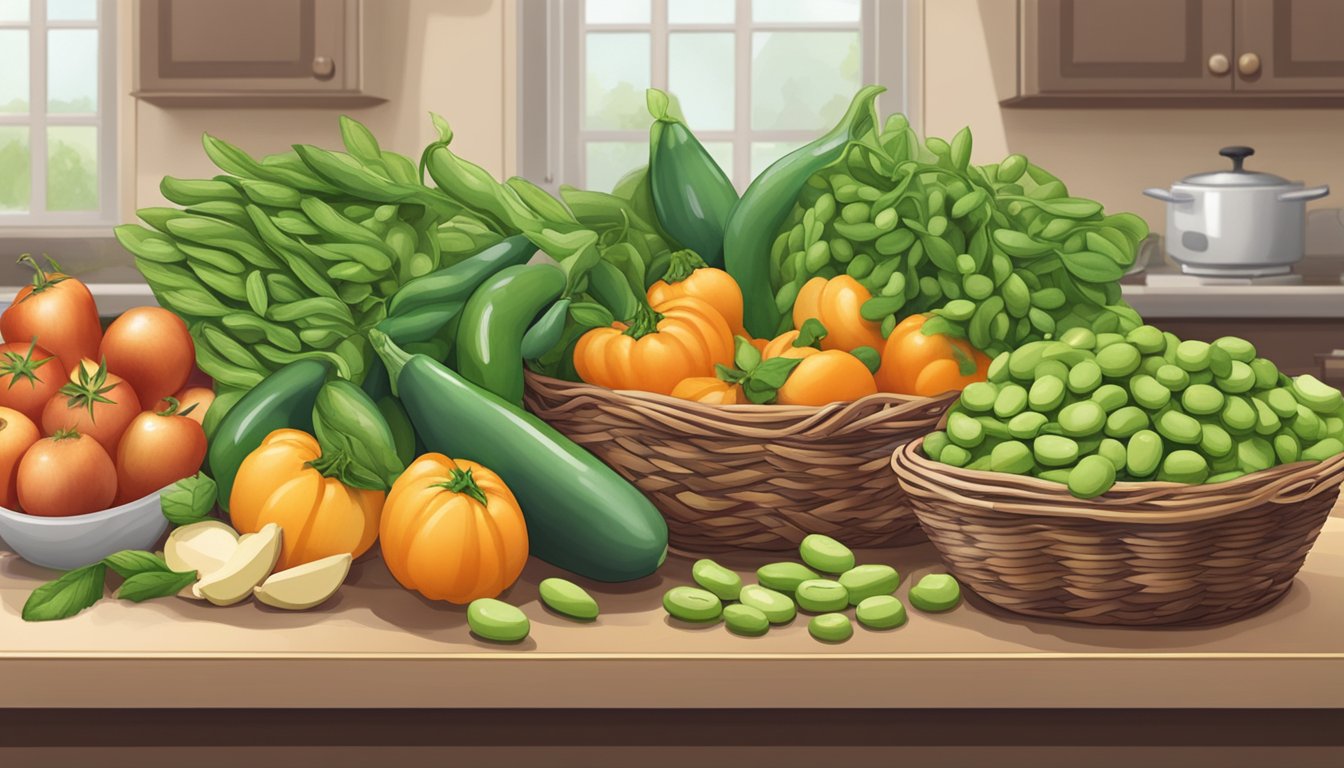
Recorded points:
(1026, 496)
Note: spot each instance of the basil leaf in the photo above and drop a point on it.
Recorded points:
(146, 586)
(189, 500)
(130, 562)
(70, 593)
(591, 314)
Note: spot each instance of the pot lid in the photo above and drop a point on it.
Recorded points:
(1237, 176)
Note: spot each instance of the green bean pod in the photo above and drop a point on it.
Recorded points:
(546, 332)
(490, 336)
(459, 281)
(757, 217)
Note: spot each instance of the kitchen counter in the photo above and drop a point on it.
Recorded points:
(378, 646)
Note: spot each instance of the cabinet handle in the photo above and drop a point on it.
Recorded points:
(1218, 64)
(323, 67)
(1248, 64)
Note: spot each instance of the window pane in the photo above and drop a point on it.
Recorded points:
(802, 80)
(700, 73)
(701, 11)
(72, 70)
(722, 152)
(788, 11)
(608, 161)
(618, 75)
(763, 153)
(616, 11)
(13, 71)
(13, 10)
(72, 168)
(72, 10)
(15, 167)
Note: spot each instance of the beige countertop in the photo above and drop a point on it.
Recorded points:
(376, 645)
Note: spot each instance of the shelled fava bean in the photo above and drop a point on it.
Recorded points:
(1093, 409)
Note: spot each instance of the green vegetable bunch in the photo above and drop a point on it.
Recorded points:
(296, 255)
(1091, 409)
(1000, 253)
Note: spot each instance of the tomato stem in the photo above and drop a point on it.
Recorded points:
(42, 279)
(66, 434)
(89, 390)
(18, 366)
(173, 405)
(462, 482)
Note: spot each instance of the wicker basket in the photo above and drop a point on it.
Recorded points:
(750, 476)
(1141, 554)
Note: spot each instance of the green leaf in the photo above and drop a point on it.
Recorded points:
(130, 562)
(746, 357)
(811, 334)
(146, 586)
(189, 500)
(965, 364)
(70, 593)
(1092, 267)
(360, 142)
(868, 356)
(960, 152)
(441, 125)
(591, 314)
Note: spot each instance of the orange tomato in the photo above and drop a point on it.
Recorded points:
(17, 435)
(59, 312)
(94, 402)
(709, 389)
(829, 376)
(926, 365)
(29, 377)
(674, 340)
(66, 474)
(320, 515)
(782, 346)
(156, 450)
(201, 397)
(452, 530)
(835, 303)
(689, 276)
(151, 349)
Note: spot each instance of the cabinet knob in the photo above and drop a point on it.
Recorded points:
(1218, 64)
(323, 67)
(1248, 64)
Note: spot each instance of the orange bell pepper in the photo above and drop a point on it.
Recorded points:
(926, 365)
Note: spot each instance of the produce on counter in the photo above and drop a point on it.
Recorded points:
(304, 586)
(452, 530)
(152, 350)
(880, 612)
(203, 547)
(57, 308)
(498, 621)
(725, 584)
(1090, 410)
(29, 378)
(157, 449)
(18, 433)
(581, 515)
(565, 597)
(935, 593)
(66, 474)
(249, 565)
(825, 554)
(745, 620)
(692, 604)
(831, 627)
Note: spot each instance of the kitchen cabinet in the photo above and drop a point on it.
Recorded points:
(1150, 52)
(252, 52)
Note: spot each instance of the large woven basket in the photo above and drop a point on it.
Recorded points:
(1141, 554)
(750, 476)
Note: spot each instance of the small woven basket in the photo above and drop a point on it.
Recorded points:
(755, 477)
(1141, 554)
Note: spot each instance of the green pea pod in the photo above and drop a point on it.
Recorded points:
(581, 515)
(490, 336)
(283, 400)
(546, 332)
(458, 282)
(612, 290)
(357, 444)
(757, 217)
(691, 194)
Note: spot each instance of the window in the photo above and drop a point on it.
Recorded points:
(57, 103)
(755, 78)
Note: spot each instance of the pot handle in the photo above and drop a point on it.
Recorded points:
(1310, 193)
(1165, 196)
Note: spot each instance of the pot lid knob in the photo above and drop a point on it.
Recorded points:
(1238, 156)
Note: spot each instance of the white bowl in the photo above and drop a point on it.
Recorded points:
(78, 540)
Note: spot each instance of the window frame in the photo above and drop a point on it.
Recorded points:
(37, 120)
(552, 140)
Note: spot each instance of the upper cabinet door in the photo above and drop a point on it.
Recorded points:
(1290, 45)
(248, 49)
(1126, 46)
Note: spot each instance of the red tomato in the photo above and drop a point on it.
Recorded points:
(59, 312)
(201, 397)
(157, 449)
(66, 474)
(150, 348)
(17, 435)
(29, 377)
(94, 402)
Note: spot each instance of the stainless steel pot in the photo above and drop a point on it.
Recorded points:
(1236, 222)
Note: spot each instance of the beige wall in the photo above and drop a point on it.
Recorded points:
(1107, 154)
(451, 57)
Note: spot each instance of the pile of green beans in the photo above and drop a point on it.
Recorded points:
(295, 255)
(1000, 253)
(1093, 409)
